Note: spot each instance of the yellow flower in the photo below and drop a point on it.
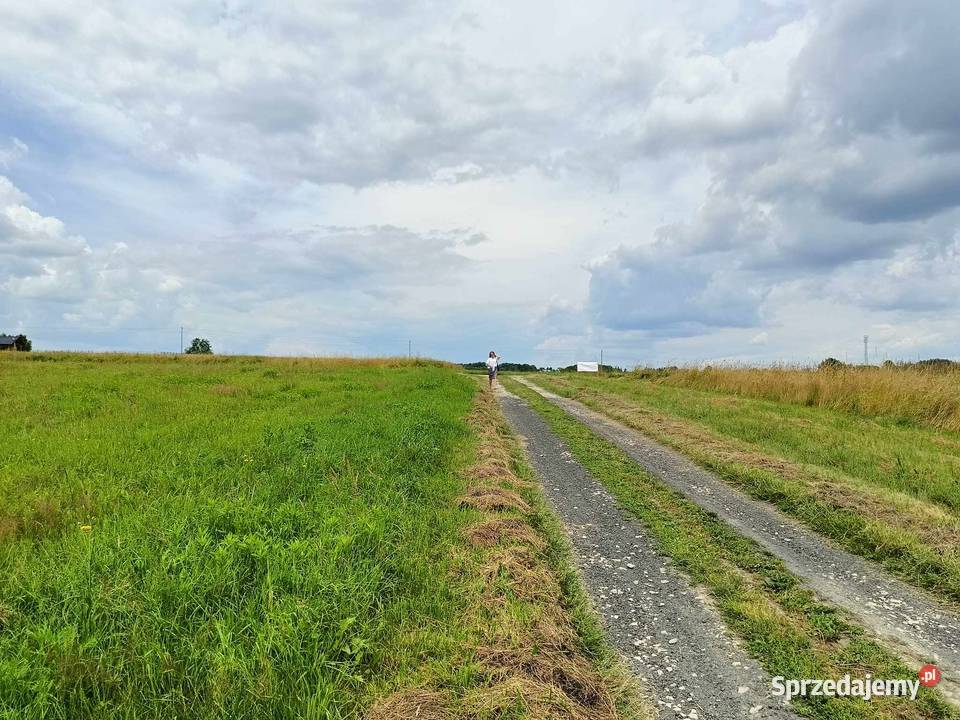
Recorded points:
(86, 528)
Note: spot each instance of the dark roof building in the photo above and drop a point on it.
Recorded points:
(6, 342)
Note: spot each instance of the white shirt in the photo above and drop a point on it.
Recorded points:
(492, 362)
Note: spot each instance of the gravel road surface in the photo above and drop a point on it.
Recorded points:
(911, 622)
(668, 631)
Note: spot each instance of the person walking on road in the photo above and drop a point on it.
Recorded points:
(493, 362)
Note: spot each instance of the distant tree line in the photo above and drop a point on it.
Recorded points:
(506, 367)
(930, 364)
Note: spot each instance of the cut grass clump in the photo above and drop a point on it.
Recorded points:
(518, 572)
(884, 492)
(524, 697)
(780, 622)
(415, 704)
(510, 531)
(488, 498)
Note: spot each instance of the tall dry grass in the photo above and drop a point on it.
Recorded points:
(922, 396)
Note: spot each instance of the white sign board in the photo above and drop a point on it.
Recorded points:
(588, 367)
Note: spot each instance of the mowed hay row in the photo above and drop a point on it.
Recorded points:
(527, 649)
(922, 396)
(537, 669)
(494, 498)
(413, 703)
(503, 530)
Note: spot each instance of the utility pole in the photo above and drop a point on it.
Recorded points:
(181, 339)
(409, 349)
(866, 356)
(601, 361)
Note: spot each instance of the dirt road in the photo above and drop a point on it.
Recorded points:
(912, 623)
(673, 638)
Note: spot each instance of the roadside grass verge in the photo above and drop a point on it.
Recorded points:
(888, 493)
(928, 396)
(778, 620)
(536, 649)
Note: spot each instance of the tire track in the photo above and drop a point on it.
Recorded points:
(670, 634)
(912, 623)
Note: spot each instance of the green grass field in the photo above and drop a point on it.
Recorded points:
(278, 538)
(883, 487)
(223, 537)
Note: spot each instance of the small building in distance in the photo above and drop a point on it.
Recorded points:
(7, 342)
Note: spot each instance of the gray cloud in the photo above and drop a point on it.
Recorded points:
(917, 279)
(842, 174)
(321, 260)
(877, 67)
(891, 185)
(561, 317)
(657, 290)
(355, 95)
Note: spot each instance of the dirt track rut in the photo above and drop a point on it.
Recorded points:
(909, 621)
(670, 634)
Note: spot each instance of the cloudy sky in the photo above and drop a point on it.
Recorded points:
(681, 181)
